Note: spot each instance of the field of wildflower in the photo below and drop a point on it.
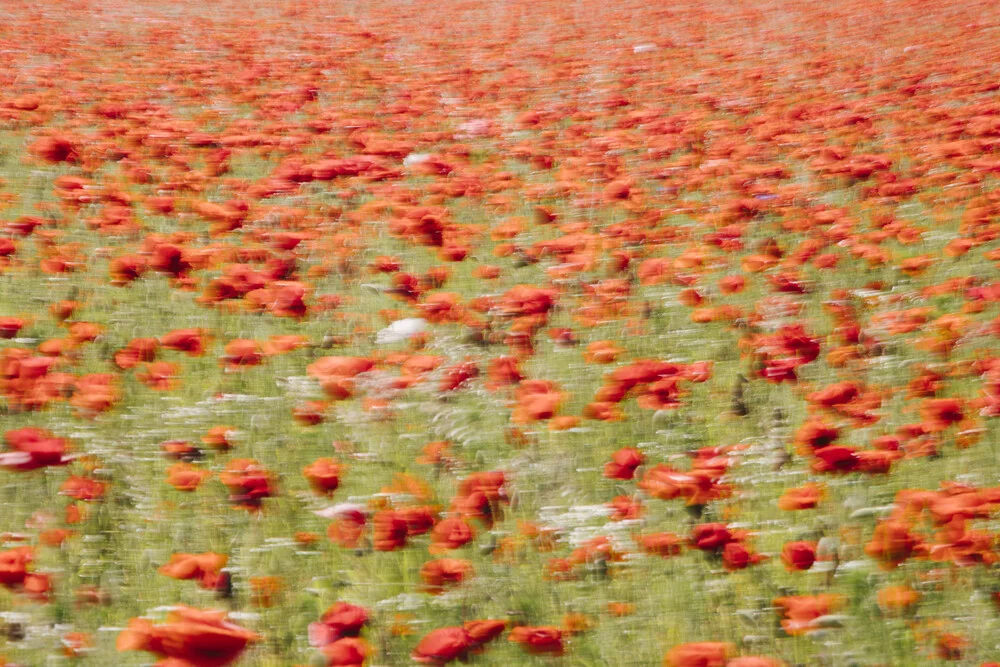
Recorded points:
(569, 333)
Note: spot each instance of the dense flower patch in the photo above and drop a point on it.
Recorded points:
(499, 332)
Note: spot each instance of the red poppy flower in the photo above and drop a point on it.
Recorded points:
(538, 640)
(14, 565)
(457, 375)
(738, 556)
(190, 341)
(390, 531)
(815, 434)
(347, 652)
(625, 508)
(55, 149)
(33, 448)
(525, 300)
(623, 463)
(798, 555)
(951, 646)
(242, 352)
(491, 484)
(711, 536)
(836, 459)
(323, 475)
(755, 661)
(137, 350)
(340, 620)
(126, 269)
(450, 533)
(419, 518)
(190, 637)
(940, 413)
(442, 646)
(249, 483)
(9, 326)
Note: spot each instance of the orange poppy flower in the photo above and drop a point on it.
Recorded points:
(663, 545)
(892, 543)
(410, 485)
(487, 272)
(698, 654)
(75, 644)
(83, 488)
(537, 400)
(55, 149)
(602, 352)
(335, 374)
(897, 599)
(798, 612)
(437, 574)
(266, 591)
(732, 284)
(804, 497)
(186, 477)
(348, 529)
(160, 375)
(503, 371)
(242, 352)
(205, 567)
(137, 350)
(219, 437)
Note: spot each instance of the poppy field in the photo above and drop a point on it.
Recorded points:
(499, 333)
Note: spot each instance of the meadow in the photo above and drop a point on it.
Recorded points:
(508, 333)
